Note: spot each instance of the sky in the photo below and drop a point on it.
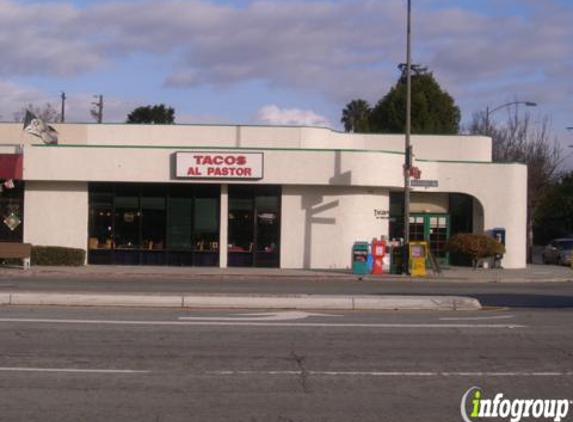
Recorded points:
(287, 62)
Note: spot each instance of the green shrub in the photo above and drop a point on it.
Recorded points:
(57, 255)
(475, 246)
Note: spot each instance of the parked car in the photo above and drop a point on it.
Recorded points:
(559, 251)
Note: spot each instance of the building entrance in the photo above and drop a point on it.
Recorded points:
(254, 226)
(434, 229)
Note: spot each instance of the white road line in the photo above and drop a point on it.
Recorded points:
(396, 373)
(72, 370)
(477, 318)
(256, 324)
(260, 317)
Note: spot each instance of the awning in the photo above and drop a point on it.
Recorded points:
(11, 166)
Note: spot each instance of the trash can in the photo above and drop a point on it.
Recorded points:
(396, 263)
(360, 258)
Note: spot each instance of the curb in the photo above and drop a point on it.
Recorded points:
(308, 302)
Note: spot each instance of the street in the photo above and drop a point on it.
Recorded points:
(112, 364)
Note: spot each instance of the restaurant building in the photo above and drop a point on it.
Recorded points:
(288, 197)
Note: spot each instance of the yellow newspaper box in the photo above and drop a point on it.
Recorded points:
(418, 254)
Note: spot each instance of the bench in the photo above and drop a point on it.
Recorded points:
(13, 250)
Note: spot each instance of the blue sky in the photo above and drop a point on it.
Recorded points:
(282, 61)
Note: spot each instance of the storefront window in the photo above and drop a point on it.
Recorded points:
(241, 233)
(127, 219)
(154, 224)
(153, 218)
(180, 226)
(12, 212)
(206, 216)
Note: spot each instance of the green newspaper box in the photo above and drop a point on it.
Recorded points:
(360, 258)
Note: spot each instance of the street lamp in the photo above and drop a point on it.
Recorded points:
(408, 146)
(489, 112)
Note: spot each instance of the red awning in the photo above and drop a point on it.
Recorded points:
(11, 166)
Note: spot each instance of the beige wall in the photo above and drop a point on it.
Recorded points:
(500, 188)
(320, 224)
(429, 202)
(56, 214)
(431, 147)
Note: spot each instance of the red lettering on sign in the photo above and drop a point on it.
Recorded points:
(193, 171)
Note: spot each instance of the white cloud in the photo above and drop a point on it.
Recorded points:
(339, 50)
(15, 97)
(200, 119)
(273, 115)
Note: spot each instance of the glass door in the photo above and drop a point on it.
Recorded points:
(438, 234)
(268, 233)
(434, 229)
(254, 226)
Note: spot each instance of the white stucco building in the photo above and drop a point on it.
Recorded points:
(294, 197)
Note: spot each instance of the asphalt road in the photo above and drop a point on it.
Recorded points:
(515, 295)
(96, 364)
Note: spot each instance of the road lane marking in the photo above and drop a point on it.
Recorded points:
(482, 318)
(266, 316)
(72, 370)
(256, 324)
(395, 373)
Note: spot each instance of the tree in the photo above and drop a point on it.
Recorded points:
(475, 246)
(554, 215)
(433, 109)
(356, 116)
(47, 113)
(157, 114)
(519, 140)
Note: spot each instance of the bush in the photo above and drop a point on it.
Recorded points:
(475, 246)
(57, 255)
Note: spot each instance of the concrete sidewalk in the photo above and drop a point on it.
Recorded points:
(533, 273)
(78, 286)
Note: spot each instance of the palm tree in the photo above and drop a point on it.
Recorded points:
(356, 116)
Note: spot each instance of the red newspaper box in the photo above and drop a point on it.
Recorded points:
(378, 252)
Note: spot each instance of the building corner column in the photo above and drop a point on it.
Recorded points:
(224, 226)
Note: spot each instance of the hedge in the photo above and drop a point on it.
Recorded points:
(57, 255)
(475, 246)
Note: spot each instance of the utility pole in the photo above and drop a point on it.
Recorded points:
(63, 113)
(407, 146)
(98, 112)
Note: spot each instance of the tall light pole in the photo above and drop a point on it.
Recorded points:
(489, 112)
(63, 111)
(98, 112)
(408, 146)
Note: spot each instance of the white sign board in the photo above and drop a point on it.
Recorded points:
(424, 183)
(218, 165)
